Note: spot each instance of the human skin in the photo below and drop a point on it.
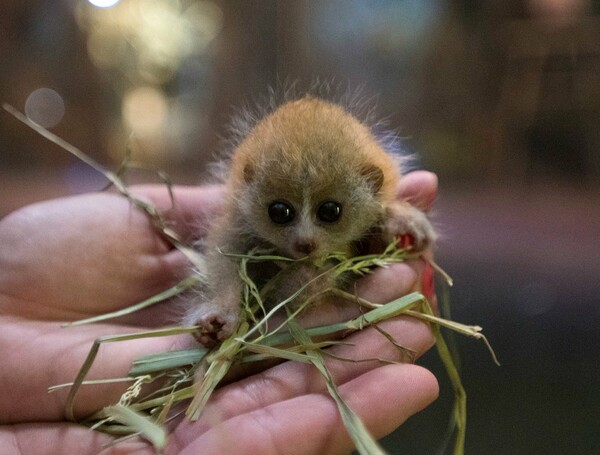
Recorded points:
(85, 255)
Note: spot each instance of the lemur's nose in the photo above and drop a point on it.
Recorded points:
(305, 246)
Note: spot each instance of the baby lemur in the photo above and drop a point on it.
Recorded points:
(308, 180)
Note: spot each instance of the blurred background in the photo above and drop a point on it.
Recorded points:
(500, 98)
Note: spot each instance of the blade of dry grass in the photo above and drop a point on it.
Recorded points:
(138, 423)
(364, 442)
(154, 363)
(180, 287)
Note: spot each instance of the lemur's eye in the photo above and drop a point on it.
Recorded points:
(281, 212)
(329, 211)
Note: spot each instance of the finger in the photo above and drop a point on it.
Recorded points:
(389, 283)
(98, 254)
(51, 439)
(383, 399)
(419, 188)
(191, 209)
(382, 286)
(39, 355)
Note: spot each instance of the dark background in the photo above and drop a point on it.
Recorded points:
(500, 99)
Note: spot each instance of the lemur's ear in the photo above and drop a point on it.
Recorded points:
(374, 176)
(248, 172)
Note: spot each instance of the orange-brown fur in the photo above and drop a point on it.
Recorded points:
(305, 153)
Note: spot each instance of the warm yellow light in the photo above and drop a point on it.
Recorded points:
(150, 37)
(145, 111)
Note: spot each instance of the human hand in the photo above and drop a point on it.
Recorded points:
(76, 257)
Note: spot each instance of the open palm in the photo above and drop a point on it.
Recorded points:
(85, 255)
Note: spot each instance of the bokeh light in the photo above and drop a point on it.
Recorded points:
(157, 56)
(45, 107)
(104, 3)
(145, 111)
(149, 40)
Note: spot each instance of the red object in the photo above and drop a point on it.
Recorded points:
(405, 240)
(428, 286)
